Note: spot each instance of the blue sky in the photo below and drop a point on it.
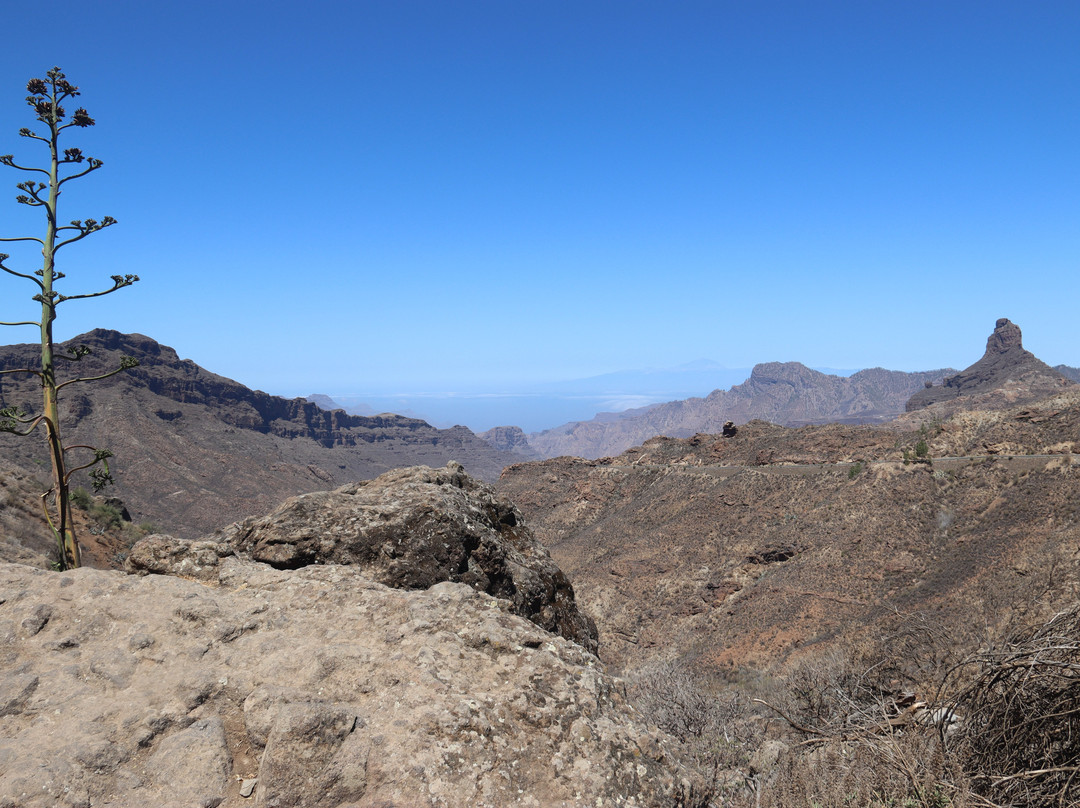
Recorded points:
(346, 197)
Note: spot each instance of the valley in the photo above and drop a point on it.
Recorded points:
(779, 543)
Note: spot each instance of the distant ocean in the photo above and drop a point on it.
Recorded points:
(479, 412)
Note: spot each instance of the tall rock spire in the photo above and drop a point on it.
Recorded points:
(1004, 365)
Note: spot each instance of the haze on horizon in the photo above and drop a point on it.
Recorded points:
(485, 195)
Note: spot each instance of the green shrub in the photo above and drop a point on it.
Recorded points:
(921, 454)
(106, 516)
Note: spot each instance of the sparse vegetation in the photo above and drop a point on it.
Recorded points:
(80, 498)
(919, 454)
(715, 723)
(932, 428)
(105, 516)
(46, 99)
(855, 470)
(907, 720)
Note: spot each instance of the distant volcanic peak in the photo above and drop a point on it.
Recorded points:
(1006, 336)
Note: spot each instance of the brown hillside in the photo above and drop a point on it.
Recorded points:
(780, 542)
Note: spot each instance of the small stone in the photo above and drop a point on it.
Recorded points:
(247, 786)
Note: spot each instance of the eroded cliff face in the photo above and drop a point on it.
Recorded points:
(195, 450)
(510, 439)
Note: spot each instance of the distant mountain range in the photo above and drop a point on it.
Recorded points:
(791, 394)
(540, 405)
(196, 450)
(785, 393)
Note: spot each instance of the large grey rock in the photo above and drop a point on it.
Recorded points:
(192, 765)
(324, 685)
(409, 528)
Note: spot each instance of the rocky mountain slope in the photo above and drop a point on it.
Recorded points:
(226, 681)
(1006, 369)
(786, 393)
(780, 542)
(195, 450)
(24, 534)
(25, 537)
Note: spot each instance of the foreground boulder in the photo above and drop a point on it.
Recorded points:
(408, 529)
(310, 687)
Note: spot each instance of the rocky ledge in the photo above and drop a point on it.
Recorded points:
(315, 687)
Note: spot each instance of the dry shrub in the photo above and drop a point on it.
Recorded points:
(855, 739)
(906, 768)
(996, 729)
(838, 688)
(713, 723)
(1020, 738)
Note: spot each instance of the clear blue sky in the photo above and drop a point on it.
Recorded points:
(332, 196)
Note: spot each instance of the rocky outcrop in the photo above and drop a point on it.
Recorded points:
(408, 529)
(1004, 364)
(311, 687)
(786, 393)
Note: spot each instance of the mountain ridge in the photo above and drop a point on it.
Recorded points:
(195, 450)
